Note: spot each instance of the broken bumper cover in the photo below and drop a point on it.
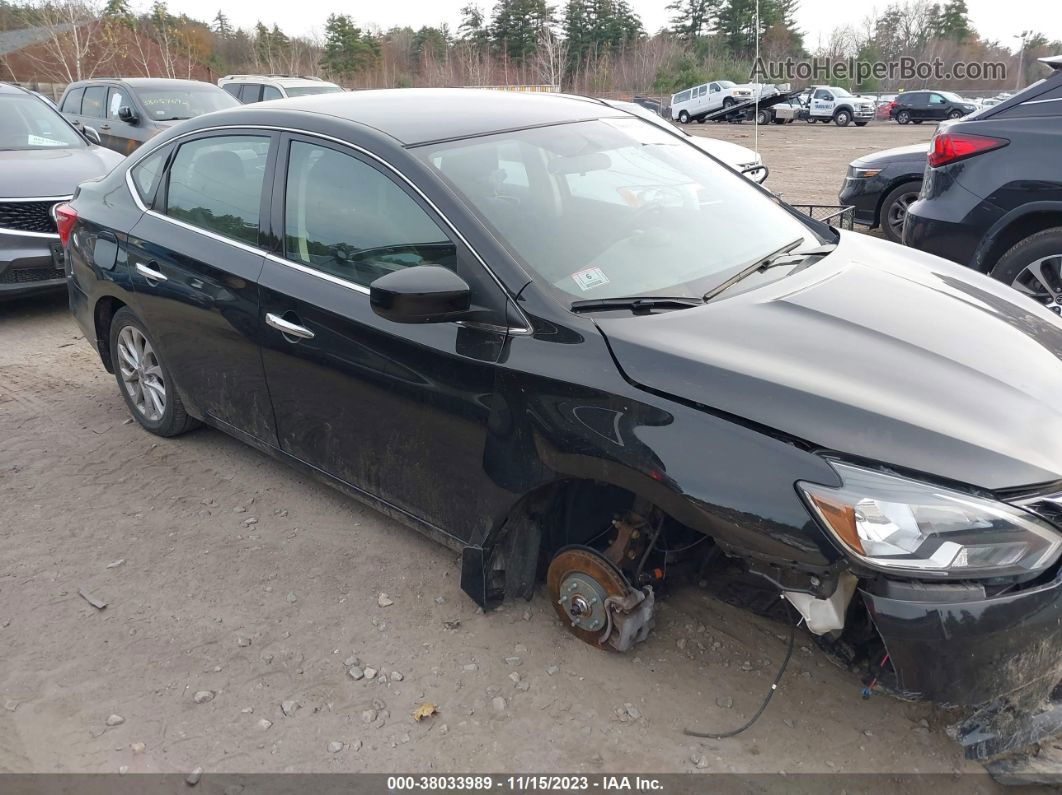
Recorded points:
(973, 652)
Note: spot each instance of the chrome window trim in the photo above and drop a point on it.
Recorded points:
(1040, 101)
(527, 327)
(42, 235)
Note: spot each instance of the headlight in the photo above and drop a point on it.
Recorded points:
(864, 173)
(894, 523)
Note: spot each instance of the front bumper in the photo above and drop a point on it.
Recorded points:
(971, 653)
(863, 193)
(863, 114)
(29, 264)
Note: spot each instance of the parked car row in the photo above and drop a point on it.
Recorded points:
(985, 193)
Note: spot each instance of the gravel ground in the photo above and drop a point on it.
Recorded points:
(240, 595)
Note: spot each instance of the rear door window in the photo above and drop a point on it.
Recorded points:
(250, 92)
(269, 92)
(146, 174)
(215, 184)
(232, 88)
(94, 102)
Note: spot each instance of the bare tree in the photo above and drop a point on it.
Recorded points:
(550, 56)
(77, 46)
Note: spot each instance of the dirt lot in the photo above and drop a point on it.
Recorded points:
(808, 161)
(233, 581)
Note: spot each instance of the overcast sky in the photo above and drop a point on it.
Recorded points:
(992, 18)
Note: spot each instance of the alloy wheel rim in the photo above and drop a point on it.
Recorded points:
(1041, 280)
(898, 211)
(141, 373)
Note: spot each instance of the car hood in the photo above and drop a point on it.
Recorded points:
(876, 351)
(732, 154)
(914, 152)
(52, 172)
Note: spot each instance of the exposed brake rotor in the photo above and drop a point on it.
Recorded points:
(595, 601)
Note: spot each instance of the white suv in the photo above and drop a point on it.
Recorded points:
(259, 88)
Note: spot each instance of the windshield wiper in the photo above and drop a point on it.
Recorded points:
(780, 256)
(642, 304)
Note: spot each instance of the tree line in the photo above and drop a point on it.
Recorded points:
(583, 46)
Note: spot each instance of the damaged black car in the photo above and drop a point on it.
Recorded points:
(578, 349)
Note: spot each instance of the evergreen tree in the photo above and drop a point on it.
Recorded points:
(516, 24)
(348, 49)
(221, 25)
(693, 19)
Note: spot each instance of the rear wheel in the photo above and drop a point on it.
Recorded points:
(955, 115)
(894, 209)
(903, 117)
(763, 117)
(146, 384)
(1034, 267)
(842, 118)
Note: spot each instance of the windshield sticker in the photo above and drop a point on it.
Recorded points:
(590, 278)
(37, 140)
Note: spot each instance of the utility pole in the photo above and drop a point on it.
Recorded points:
(1021, 59)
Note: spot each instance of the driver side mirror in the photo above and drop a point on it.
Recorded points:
(421, 294)
(92, 135)
(126, 114)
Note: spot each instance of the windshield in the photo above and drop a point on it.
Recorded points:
(305, 91)
(951, 97)
(171, 104)
(727, 84)
(27, 123)
(615, 207)
(840, 92)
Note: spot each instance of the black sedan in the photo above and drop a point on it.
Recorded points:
(540, 329)
(882, 185)
(42, 159)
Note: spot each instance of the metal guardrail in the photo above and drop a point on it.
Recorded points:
(839, 216)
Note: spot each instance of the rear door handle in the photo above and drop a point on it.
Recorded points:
(150, 273)
(288, 328)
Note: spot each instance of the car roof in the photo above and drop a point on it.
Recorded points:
(7, 88)
(421, 115)
(283, 80)
(140, 82)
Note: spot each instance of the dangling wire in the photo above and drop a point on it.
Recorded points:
(770, 693)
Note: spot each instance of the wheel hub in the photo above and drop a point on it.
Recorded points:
(580, 581)
(583, 598)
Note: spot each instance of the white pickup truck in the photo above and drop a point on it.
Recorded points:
(832, 103)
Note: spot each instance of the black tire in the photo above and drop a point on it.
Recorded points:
(173, 419)
(728, 101)
(843, 117)
(1043, 247)
(955, 114)
(683, 117)
(700, 119)
(763, 117)
(861, 124)
(903, 117)
(894, 209)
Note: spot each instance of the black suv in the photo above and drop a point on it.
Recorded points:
(128, 112)
(915, 107)
(992, 196)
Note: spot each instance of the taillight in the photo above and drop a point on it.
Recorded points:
(65, 218)
(949, 147)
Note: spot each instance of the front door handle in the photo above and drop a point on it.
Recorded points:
(287, 328)
(150, 273)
